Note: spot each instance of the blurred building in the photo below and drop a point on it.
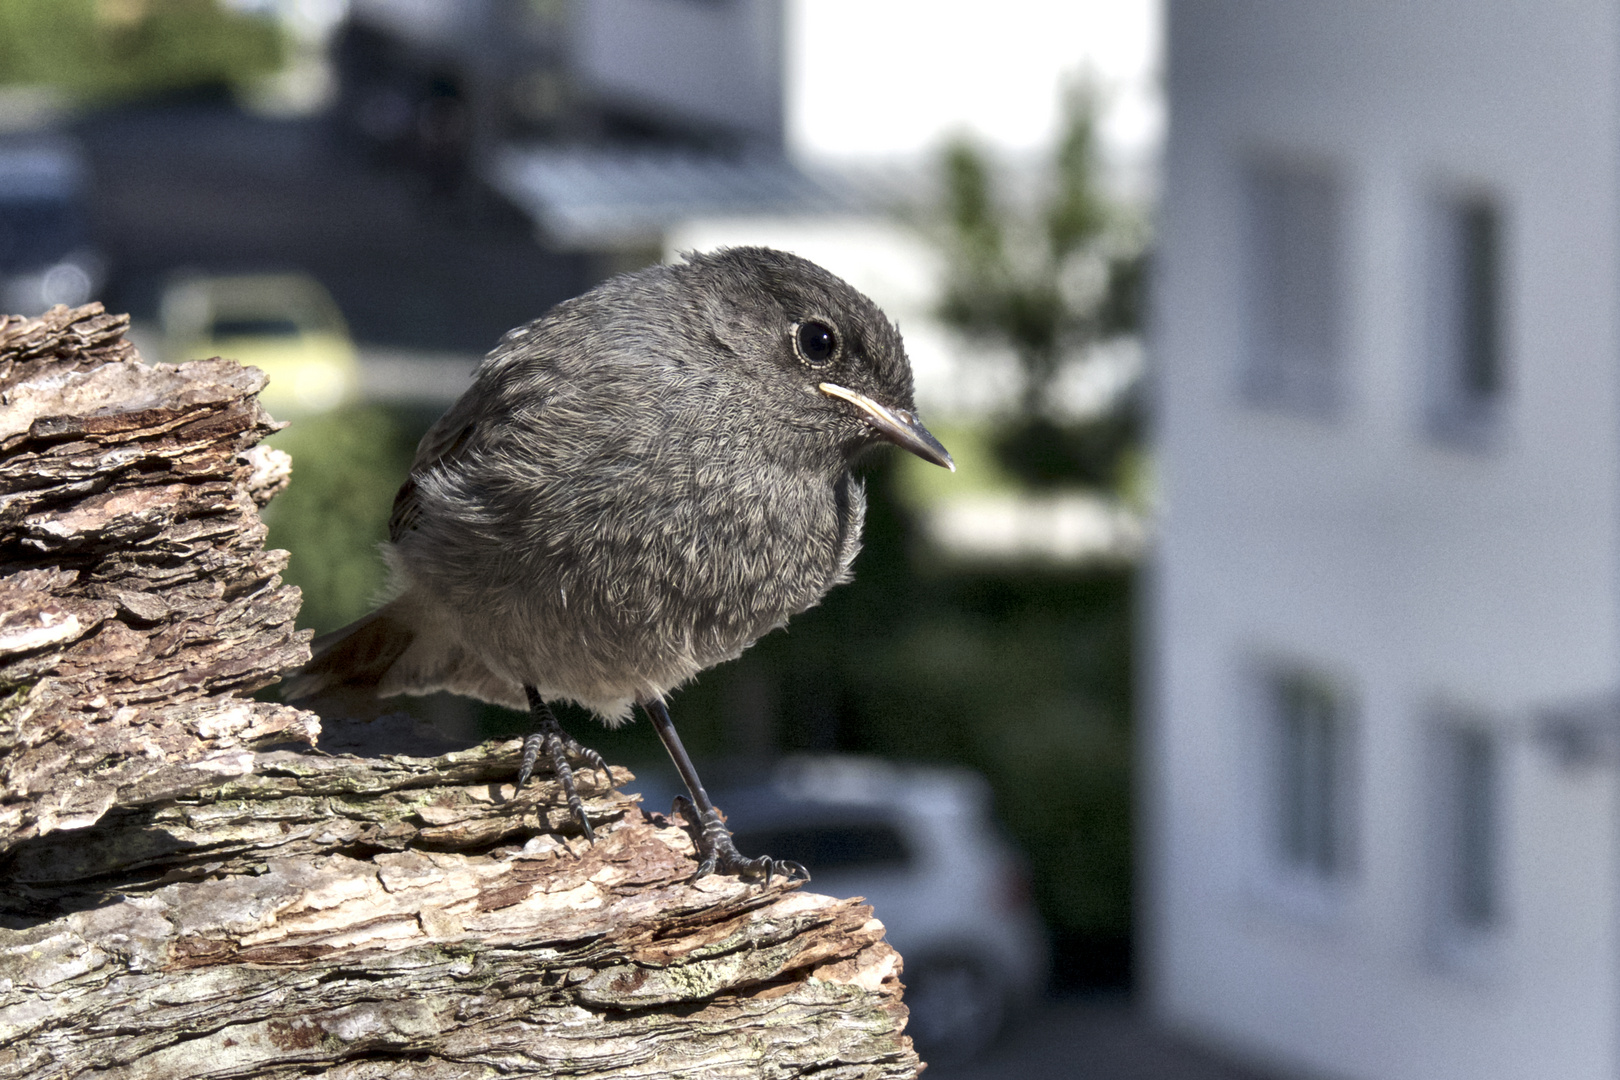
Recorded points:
(603, 120)
(1383, 825)
(700, 74)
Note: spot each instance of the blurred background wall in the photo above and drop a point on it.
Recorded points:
(1385, 583)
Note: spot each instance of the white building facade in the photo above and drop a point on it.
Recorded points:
(1387, 363)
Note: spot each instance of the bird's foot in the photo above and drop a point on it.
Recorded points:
(558, 746)
(717, 852)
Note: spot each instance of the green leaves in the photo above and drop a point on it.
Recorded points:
(1049, 274)
(333, 517)
(104, 49)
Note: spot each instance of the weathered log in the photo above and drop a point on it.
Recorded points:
(189, 889)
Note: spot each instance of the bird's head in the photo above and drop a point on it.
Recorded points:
(831, 362)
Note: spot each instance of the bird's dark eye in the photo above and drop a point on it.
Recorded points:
(816, 342)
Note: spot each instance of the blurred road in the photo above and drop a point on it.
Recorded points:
(1093, 1037)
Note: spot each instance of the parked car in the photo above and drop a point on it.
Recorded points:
(46, 256)
(920, 844)
(285, 324)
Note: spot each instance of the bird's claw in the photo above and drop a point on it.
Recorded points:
(718, 852)
(558, 745)
(572, 747)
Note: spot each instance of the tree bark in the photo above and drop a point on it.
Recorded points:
(189, 888)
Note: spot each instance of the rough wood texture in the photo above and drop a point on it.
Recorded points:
(186, 892)
(136, 599)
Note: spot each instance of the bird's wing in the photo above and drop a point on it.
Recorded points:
(447, 438)
(507, 389)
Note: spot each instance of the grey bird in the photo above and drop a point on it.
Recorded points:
(639, 485)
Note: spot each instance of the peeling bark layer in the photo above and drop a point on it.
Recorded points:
(184, 892)
(136, 598)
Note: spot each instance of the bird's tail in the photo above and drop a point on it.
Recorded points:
(351, 662)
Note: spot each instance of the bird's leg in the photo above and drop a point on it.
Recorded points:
(716, 850)
(557, 744)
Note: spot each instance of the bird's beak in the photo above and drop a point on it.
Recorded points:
(896, 425)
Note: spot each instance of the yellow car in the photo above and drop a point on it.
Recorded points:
(287, 325)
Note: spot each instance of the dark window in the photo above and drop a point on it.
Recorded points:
(1470, 828)
(1311, 775)
(825, 848)
(1467, 365)
(1295, 288)
(246, 326)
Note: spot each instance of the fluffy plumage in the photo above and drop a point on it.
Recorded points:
(637, 487)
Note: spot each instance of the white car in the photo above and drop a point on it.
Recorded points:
(920, 844)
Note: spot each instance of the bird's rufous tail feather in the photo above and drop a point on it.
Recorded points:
(350, 662)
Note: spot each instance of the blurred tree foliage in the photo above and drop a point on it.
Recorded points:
(1025, 672)
(1048, 277)
(347, 464)
(106, 49)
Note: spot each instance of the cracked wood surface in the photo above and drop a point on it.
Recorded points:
(187, 892)
(351, 916)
